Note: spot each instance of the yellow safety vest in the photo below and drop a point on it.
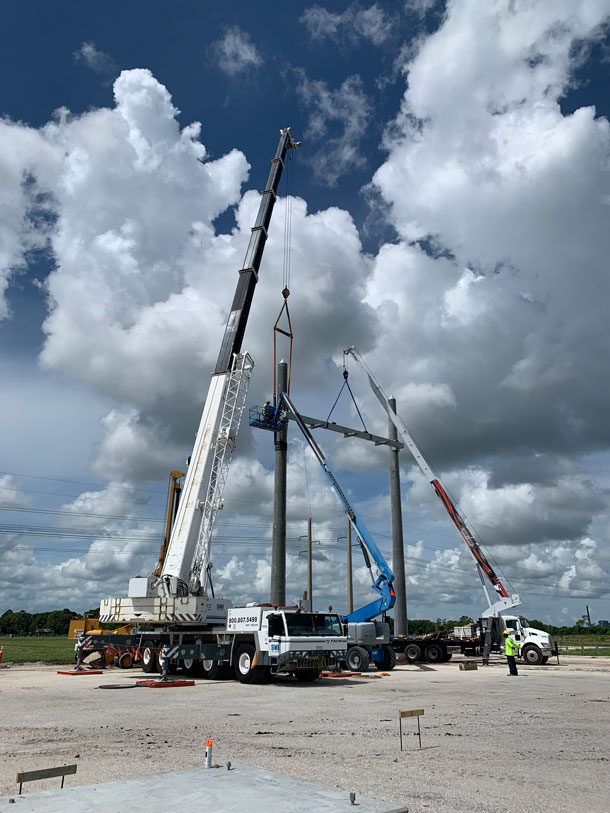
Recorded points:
(511, 647)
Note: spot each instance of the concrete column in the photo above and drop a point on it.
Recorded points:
(350, 582)
(398, 552)
(278, 548)
(309, 565)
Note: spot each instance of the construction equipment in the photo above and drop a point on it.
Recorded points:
(368, 640)
(536, 645)
(174, 615)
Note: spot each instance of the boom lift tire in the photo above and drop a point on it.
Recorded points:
(532, 655)
(412, 653)
(149, 659)
(245, 672)
(389, 659)
(357, 659)
(434, 653)
(306, 675)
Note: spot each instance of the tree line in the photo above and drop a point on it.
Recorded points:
(58, 621)
(24, 623)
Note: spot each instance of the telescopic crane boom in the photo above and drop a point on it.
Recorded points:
(504, 600)
(186, 565)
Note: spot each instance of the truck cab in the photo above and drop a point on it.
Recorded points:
(284, 640)
(536, 646)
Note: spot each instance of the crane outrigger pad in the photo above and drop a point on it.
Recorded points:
(164, 684)
(76, 672)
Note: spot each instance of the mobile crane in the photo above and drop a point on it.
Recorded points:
(536, 645)
(175, 621)
(368, 640)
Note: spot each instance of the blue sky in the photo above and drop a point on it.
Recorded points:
(451, 201)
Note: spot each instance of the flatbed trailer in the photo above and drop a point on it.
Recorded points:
(436, 648)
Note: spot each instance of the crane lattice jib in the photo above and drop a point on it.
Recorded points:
(230, 419)
(429, 472)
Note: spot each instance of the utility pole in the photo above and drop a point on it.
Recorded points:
(278, 546)
(350, 583)
(398, 552)
(309, 563)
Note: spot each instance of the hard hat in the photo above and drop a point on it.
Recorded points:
(506, 632)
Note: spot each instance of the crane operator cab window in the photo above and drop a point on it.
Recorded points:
(313, 624)
(276, 625)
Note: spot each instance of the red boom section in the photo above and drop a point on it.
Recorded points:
(469, 539)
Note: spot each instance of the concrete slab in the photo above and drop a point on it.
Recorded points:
(213, 789)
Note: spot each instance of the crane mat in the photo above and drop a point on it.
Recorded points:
(83, 672)
(468, 666)
(164, 684)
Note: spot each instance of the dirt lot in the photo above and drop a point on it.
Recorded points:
(490, 743)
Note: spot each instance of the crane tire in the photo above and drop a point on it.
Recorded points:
(150, 662)
(192, 667)
(245, 672)
(357, 659)
(306, 675)
(389, 659)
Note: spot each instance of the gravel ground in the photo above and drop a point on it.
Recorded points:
(490, 743)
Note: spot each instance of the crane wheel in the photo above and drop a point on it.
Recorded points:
(245, 671)
(150, 662)
(306, 675)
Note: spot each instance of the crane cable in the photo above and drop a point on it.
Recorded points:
(349, 389)
(289, 181)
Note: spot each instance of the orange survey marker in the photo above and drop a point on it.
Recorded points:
(164, 684)
(82, 672)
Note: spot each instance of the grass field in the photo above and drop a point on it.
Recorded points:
(29, 650)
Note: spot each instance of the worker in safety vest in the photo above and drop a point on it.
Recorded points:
(268, 412)
(511, 648)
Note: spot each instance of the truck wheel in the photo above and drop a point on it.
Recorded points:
(125, 661)
(149, 659)
(545, 659)
(210, 670)
(434, 653)
(389, 659)
(191, 667)
(531, 655)
(306, 675)
(357, 659)
(245, 672)
(447, 657)
(413, 653)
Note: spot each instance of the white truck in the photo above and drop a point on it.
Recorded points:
(174, 618)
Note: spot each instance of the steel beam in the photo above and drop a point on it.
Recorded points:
(316, 423)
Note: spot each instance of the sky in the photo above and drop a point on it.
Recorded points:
(448, 210)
